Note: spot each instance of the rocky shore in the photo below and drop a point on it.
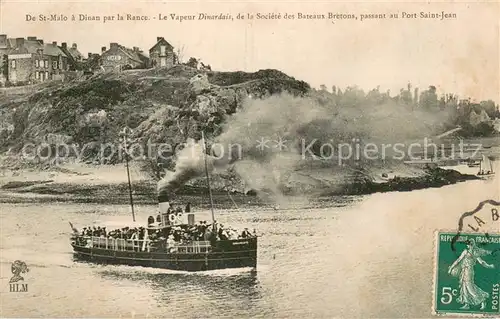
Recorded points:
(21, 190)
(434, 177)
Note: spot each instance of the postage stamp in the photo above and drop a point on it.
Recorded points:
(467, 274)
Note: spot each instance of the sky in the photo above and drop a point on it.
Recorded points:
(459, 55)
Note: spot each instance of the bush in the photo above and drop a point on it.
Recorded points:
(481, 130)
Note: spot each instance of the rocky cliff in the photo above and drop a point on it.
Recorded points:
(164, 105)
(82, 120)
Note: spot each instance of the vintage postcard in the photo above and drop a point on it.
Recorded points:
(249, 159)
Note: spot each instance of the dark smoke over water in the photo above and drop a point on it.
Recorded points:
(297, 122)
(190, 164)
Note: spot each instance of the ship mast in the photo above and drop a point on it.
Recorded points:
(125, 137)
(208, 179)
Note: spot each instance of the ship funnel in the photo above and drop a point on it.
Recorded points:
(163, 201)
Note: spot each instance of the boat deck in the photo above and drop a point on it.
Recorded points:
(193, 256)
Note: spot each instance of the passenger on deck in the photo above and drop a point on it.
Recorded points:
(231, 233)
(177, 235)
(151, 220)
(171, 209)
(171, 244)
(207, 234)
(245, 233)
(204, 226)
(221, 234)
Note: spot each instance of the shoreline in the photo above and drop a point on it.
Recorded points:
(23, 190)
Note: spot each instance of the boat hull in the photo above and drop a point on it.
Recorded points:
(226, 254)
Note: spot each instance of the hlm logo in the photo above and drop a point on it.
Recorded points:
(18, 267)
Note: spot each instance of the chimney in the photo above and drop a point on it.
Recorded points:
(54, 43)
(3, 38)
(163, 201)
(163, 206)
(103, 49)
(19, 42)
(74, 46)
(64, 45)
(113, 45)
(158, 39)
(31, 38)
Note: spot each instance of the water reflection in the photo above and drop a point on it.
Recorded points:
(242, 288)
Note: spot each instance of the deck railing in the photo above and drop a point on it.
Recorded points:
(114, 243)
(192, 247)
(140, 244)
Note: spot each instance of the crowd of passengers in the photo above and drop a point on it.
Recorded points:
(174, 234)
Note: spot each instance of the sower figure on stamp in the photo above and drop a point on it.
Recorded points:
(463, 268)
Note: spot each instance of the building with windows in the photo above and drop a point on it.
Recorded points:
(162, 54)
(75, 57)
(119, 57)
(57, 61)
(32, 61)
(4, 50)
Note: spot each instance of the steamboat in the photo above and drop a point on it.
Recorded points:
(173, 240)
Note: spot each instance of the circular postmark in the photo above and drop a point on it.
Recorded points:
(482, 220)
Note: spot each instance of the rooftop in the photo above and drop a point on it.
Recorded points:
(52, 50)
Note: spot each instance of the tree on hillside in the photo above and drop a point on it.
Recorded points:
(429, 99)
(205, 67)
(192, 62)
(374, 97)
(405, 96)
(179, 55)
(489, 107)
(352, 96)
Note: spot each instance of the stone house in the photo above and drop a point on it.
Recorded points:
(6, 45)
(119, 57)
(162, 54)
(75, 57)
(57, 59)
(31, 61)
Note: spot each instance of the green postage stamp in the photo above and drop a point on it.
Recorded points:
(467, 274)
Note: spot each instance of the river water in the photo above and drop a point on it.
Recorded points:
(371, 257)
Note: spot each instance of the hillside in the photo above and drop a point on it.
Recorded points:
(80, 122)
(95, 110)
(160, 105)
